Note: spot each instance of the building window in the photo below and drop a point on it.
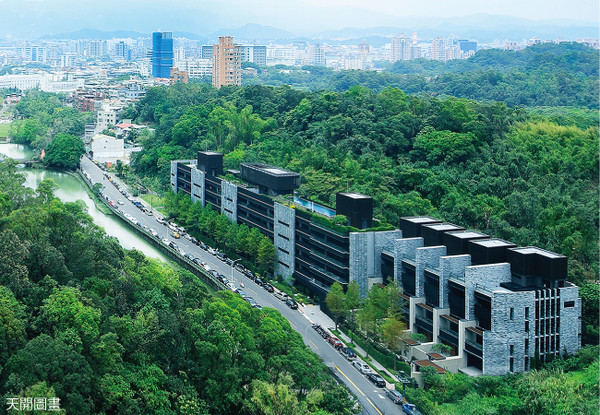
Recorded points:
(512, 364)
(526, 363)
(527, 327)
(526, 346)
(569, 304)
(511, 350)
(512, 315)
(526, 313)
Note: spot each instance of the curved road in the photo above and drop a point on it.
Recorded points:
(372, 398)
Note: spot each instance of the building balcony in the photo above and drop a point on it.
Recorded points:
(474, 348)
(424, 324)
(449, 336)
(329, 259)
(327, 274)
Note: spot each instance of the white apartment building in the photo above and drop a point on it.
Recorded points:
(196, 68)
(106, 148)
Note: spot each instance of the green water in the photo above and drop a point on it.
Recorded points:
(18, 151)
(71, 189)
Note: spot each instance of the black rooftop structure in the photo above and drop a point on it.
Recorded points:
(210, 162)
(356, 207)
(433, 234)
(457, 241)
(538, 267)
(488, 251)
(411, 225)
(270, 180)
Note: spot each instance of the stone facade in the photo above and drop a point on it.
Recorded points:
(506, 340)
(451, 267)
(283, 239)
(570, 327)
(229, 200)
(198, 186)
(365, 256)
(361, 259)
(426, 257)
(174, 176)
(483, 277)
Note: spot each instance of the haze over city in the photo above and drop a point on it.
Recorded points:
(301, 17)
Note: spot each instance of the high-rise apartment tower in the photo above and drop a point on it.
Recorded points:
(227, 63)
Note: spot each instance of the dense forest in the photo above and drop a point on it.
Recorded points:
(525, 175)
(564, 74)
(109, 331)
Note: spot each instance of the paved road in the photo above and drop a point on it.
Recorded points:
(373, 399)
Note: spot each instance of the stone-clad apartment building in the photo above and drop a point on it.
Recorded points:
(495, 304)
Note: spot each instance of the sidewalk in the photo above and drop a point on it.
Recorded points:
(314, 314)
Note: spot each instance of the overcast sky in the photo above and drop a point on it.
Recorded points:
(298, 16)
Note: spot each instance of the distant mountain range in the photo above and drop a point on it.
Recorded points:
(484, 28)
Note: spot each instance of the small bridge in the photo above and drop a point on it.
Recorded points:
(27, 162)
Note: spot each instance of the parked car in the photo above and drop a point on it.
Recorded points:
(202, 245)
(280, 295)
(194, 240)
(241, 292)
(410, 409)
(348, 353)
(395, 396)
(190, 257)
(251, 300)
(376, 379)
(362, 367)
(335, 342)
(268, 287)
(173, 245)
(259, 282)
(120, 202)
(291, 304)
(160, 220)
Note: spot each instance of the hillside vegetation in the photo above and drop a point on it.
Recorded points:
(109, 331)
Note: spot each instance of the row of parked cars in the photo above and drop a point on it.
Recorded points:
(366, 370)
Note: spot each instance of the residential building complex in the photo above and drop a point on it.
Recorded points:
(227, 61)
(496, 305)
(400, 48)
(162, 54)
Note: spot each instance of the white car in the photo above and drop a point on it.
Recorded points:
(231, 286)
(362, 367)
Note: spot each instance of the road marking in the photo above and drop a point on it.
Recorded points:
(314, 344)
(361, 392)
(292, 324)
(374, 406)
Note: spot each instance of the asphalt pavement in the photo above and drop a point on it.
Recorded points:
(372, 398)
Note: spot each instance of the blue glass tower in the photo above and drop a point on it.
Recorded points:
(162, 54)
